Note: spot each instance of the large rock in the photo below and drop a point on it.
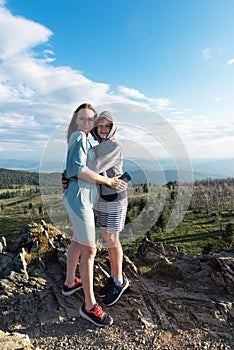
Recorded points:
(15, 341)
(168, 289)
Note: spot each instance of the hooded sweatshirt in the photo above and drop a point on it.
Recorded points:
(109, 161)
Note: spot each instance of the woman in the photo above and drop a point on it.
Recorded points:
(80, 200)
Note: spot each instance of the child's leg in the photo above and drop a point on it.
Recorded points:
(115, 253)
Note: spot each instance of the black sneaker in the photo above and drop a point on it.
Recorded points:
(96, 315)
(115, 292)
(102, 292)
(70, 290)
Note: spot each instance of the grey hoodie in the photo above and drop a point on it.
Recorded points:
(109, 161)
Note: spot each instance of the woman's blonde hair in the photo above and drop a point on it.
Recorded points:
(73, 126)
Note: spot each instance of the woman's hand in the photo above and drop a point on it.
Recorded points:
(118, 184)
(64, 182)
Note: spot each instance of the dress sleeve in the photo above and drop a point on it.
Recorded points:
(76, 154)
(108, 154)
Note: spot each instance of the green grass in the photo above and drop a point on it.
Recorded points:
(159, 270)
(194, 233)
(16, 213)
(25, 188)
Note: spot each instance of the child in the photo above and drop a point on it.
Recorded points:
(112, 204)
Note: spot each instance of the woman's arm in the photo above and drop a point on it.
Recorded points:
(91, 176)
(77, 157)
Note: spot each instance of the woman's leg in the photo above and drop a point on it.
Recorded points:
(73, 255)
(87, 255)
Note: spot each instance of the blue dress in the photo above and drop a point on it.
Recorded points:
(80, 198)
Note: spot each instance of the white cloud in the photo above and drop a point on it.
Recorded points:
(179, 111)
(160, 103)
(36, 96)
(201, 117)
(22, 146)
(206, 137)
(49, 56)
(131, 92)
(231, 61)
(157, 103)
(215, 148)
(206, 53)
(18, 34)
(16, 121)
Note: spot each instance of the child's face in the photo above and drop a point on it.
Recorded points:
(103, 128)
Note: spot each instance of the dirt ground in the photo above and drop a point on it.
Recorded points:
(79, 334)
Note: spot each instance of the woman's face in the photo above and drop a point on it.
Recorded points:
(85, 120)
(103, 128)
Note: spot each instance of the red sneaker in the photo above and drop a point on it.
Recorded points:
(96, 315)
(69, 290)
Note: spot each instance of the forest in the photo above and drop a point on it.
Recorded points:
(12, 178)
(207, 224)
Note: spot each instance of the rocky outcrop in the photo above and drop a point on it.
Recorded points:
(187, 290)
(168, 289)
(14, 340)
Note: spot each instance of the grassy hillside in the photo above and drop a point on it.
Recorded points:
(207, 224)
(13, 178)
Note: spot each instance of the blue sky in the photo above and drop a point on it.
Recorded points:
(174, 57)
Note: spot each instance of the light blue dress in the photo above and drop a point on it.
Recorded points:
(80, 198)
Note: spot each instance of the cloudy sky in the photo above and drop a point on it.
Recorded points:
(175, 58)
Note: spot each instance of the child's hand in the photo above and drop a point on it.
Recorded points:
(121, 186)
(118, 184)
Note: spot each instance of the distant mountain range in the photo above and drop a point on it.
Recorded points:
(166, 170)
(17, 164)
(143, 170)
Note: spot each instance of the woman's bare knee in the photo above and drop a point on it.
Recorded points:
(87, 252)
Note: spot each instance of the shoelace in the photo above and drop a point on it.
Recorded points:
(97, 310)
(77, 280)
(115, 289)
